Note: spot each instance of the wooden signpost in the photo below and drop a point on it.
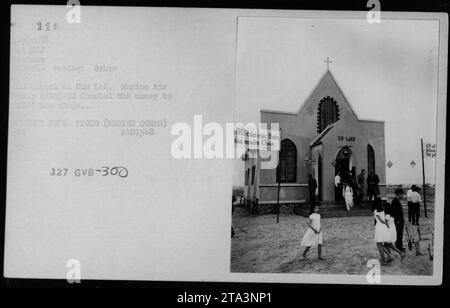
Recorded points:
(279, 183)
(423, 180)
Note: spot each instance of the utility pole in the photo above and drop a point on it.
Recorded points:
(423, 179)
(279, 182)
(278, 200)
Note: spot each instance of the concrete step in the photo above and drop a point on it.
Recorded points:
(342, 206)
(351, 213)
(328, 210)
(333, 214)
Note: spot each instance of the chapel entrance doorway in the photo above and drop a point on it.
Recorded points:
(342, 167)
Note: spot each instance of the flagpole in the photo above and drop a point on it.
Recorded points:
(423, 179)
(278, 201)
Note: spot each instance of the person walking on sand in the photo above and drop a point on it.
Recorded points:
(415, 205)
(313, 235)
(397, 213)
(409, 193)
(348, 196)
(389, 214)
(382, 234)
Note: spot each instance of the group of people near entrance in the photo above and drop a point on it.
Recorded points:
(352, 186)
(389, 226)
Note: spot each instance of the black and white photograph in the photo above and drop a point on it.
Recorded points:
(357, 105)
(234, 146)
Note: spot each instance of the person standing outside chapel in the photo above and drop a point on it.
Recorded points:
(360, 181)
(338, 185)
(312, 186)
(372, 186)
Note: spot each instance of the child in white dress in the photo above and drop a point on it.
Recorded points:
(313, 235)
(348, 195)
(392, 228)
(382, 234)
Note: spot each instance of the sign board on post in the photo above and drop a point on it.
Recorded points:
(258, 138)
(430, 150)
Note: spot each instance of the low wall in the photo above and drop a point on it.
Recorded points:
(268, 192)
(260, 208)
(287, 208)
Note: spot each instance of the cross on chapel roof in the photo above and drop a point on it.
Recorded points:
(328, 61)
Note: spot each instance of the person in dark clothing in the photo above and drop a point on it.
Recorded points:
(312, 186)
(372, 186)
(360, 180)
(397, 213)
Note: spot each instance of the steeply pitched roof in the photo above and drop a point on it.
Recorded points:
(326, 79)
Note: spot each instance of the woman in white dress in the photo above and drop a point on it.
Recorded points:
(313, 235)
(348, 195)
(382, 233)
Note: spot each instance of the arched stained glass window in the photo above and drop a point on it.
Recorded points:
(327, 114)
(287, 164)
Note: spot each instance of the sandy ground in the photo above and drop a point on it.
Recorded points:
(263, 246)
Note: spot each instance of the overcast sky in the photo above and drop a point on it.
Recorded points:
(387, 71)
